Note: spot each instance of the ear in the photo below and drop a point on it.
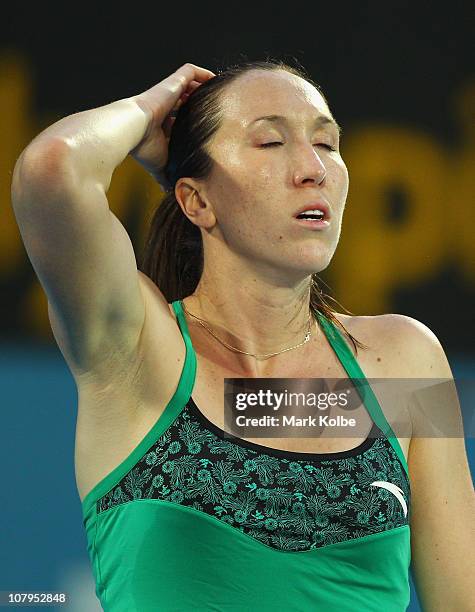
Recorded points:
(192, 200)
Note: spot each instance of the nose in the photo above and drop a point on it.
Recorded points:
(311, 168)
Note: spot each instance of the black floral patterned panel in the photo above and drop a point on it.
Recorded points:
(285, 500)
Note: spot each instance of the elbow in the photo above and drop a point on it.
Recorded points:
(41, 166)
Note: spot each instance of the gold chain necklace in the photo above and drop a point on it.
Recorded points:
(307, 337)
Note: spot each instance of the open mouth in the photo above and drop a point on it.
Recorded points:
(317, 215)
(313, 220)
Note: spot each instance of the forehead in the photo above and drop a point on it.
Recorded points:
(259, 92)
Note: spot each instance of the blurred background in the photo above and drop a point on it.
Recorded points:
(399, 79)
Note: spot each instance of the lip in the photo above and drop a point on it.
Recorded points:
(315, 206)
(314, 225)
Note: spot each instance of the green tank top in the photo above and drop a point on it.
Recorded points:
(196, 519)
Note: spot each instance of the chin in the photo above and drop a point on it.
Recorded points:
(314, 260)
(302, 269)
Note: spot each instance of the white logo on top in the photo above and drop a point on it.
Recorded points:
(395, 490)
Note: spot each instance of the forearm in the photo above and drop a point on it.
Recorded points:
(98, 140)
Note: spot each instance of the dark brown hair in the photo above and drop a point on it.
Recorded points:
(173, 253)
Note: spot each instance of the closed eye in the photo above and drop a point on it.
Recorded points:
(318, 144)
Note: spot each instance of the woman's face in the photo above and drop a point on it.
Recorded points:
(256, 191)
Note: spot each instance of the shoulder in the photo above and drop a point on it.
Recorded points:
(409, 340)
(423, 350)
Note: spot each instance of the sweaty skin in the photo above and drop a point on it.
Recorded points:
(246, 210)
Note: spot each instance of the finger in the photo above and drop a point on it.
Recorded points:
(167, 126)
(178, 103)
(184, 97)
(176, 85)
(181, 100)
(181, 79)
(197, 73)
(192, 86)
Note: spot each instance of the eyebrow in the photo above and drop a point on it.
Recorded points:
(321, 120)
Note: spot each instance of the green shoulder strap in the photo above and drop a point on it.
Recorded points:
(344, 354)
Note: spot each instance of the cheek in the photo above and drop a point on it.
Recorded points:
(234, 201)
(237, 178)
(240, 193)
(344, 170)
(339, 176)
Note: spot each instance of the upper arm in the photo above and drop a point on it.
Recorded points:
(442, 498)
(82, 255)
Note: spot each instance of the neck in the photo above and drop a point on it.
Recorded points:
(257, 320)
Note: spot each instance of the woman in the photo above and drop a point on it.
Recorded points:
(179, 514)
